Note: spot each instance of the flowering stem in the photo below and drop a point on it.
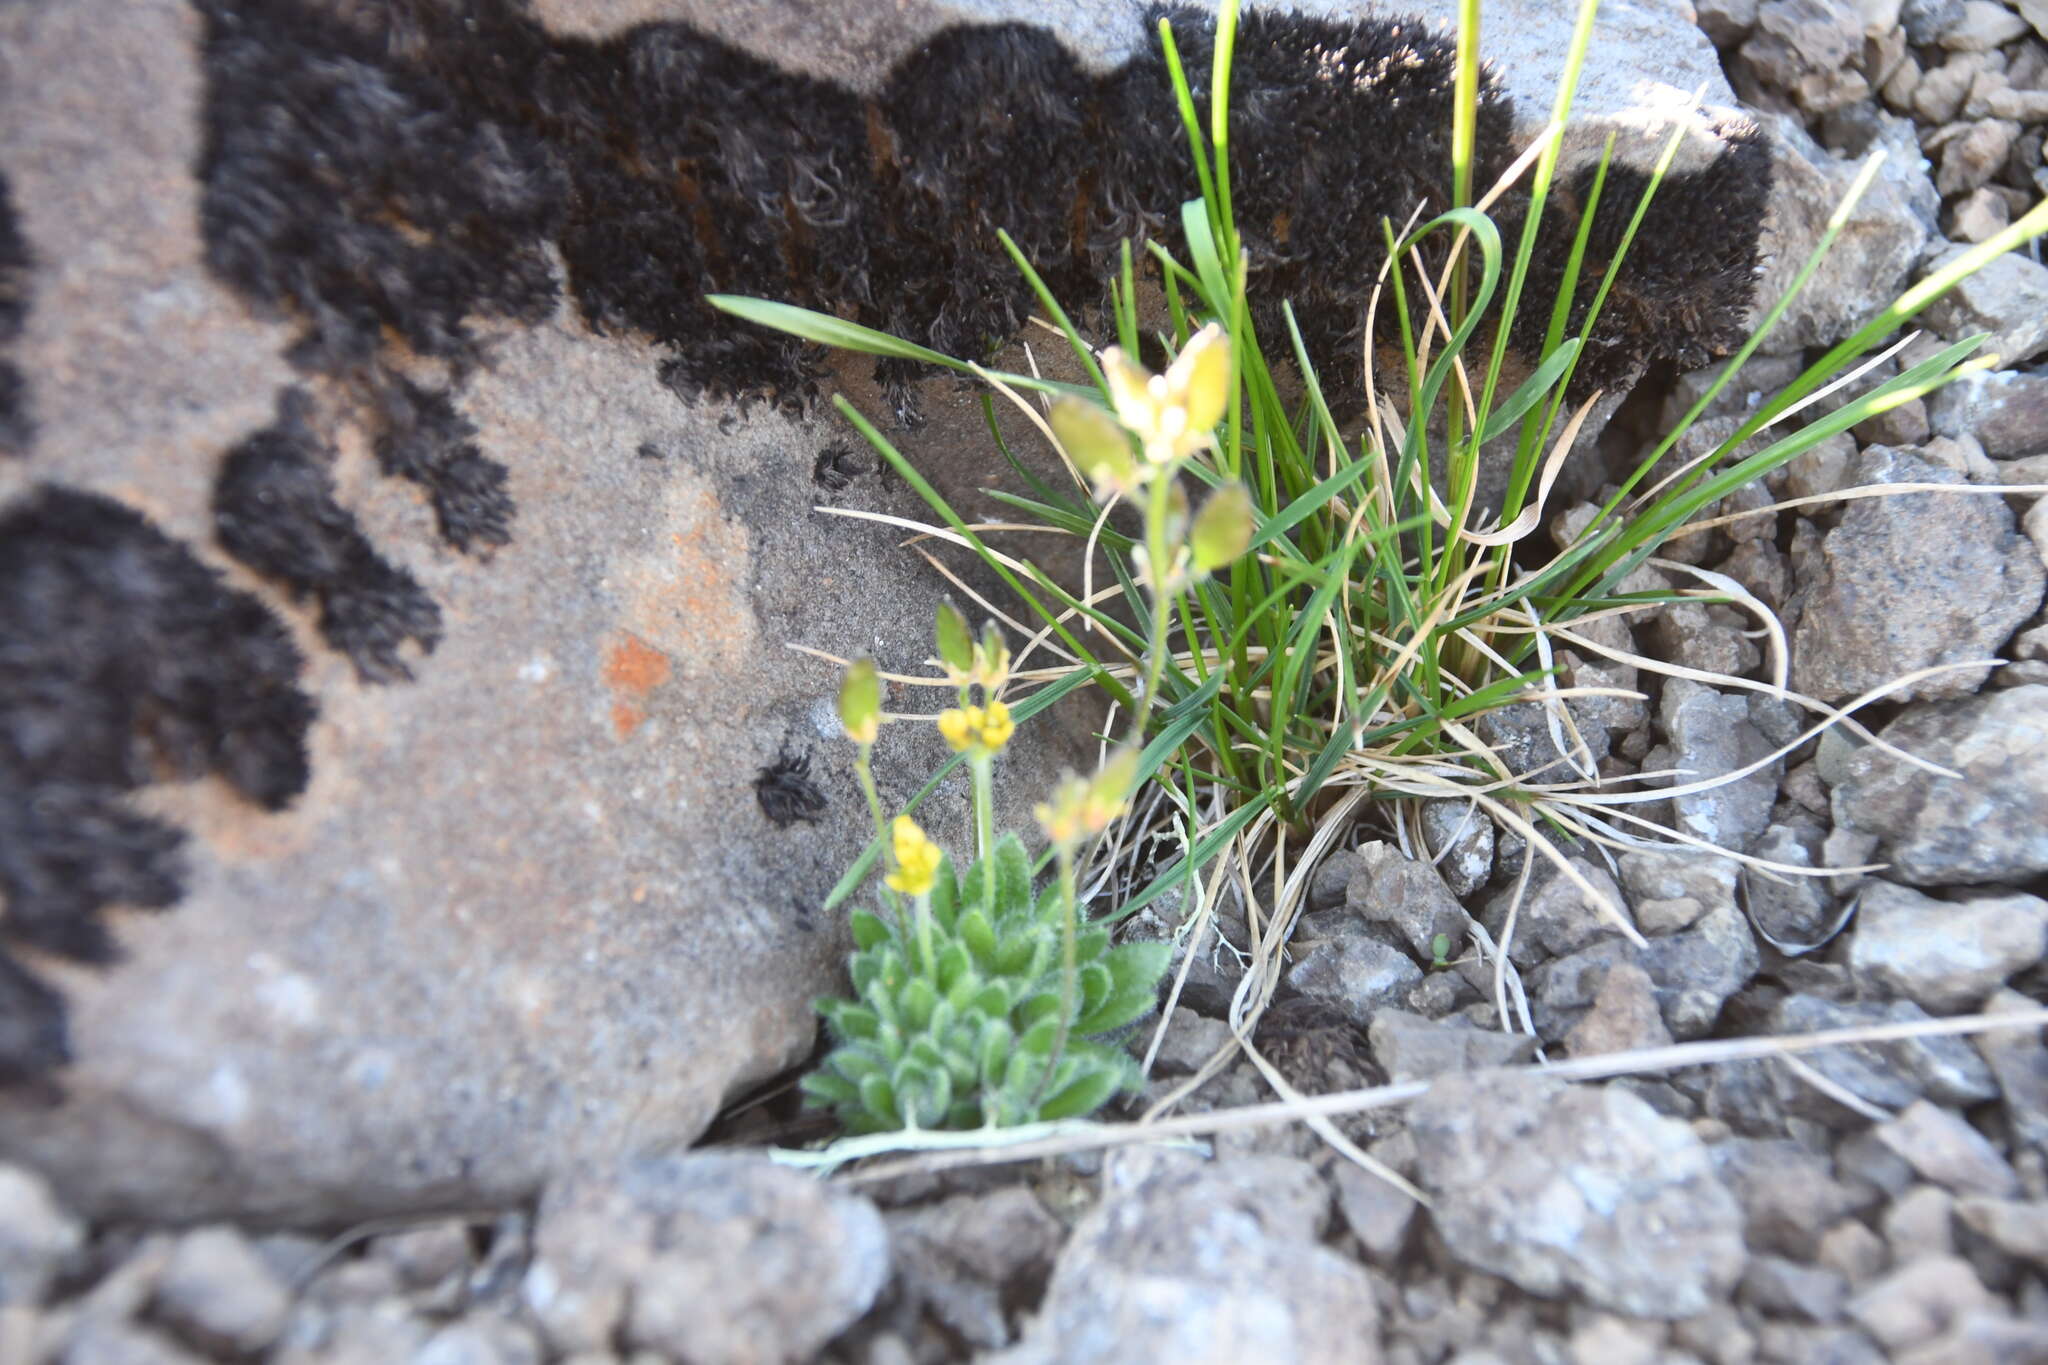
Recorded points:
(1159, 560)
(865, 772)
(982, 763)
(924, 933)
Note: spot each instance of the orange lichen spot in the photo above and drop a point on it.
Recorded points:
(632, 669)
(635, 667)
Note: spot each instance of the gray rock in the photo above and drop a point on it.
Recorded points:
(1945, 1149)
(1946, 956)
(1918, 1302)
(1694, 972)
(1890, 1075)
(480, 1339)
(1794, 911)
(1927, 20)
(1853, 1250)
(216, 1290)
(1408, 897)
(1193, 1264)
(1973, 157)
(37, 1237)
(1726, 21)
(1910, 581)
(120, 1343)
(2019, 1059)
(1990, 825)
(1520, 735)
(2007, 298)
(1671, 890)
(1707, 638)
(2016, 1227)
(1577, 1190)
(1872, 258)
(425, 1257)
(1982, 1337)
(1191, 1040)
(1326, 888)
(1789, 1195)
(1338, 961)
(1711, 735)
(1624, 1016)
(1411, 1048)
(1460, 839)
(1983, 25)
(959, 1256)
(1378, 1215)
(1780, 1287)
(1921, 1222)
(439, 975)
(1804, 48)
(708, 1258)
(1556, 918)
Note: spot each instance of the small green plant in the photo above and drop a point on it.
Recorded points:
(958, 1023)
(979, 1000)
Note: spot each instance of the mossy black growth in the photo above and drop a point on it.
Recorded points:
(786, 792)
(1683, 291)
(348, 187)
(693, 167)
(16, 427)
(122, 659)
(274, 510)
(427, 441)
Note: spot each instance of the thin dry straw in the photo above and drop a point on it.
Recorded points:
(952, 1150)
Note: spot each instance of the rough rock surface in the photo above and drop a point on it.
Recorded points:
(1985, 826)
(1946, 956)
(1910, 581)
(1191, 1261)
(529, 910)
(1582, 1191)
(706, 1258)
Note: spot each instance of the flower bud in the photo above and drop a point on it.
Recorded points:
(1223, 528)
(1095, 443)
(860, 702)
(956, 642)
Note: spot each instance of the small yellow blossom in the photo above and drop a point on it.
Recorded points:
(996, 726)
(1084, 807)
(959, 724)
(977, 727)
(1173, 415)
(917, 858)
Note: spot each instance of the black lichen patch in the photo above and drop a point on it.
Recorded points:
(274, 510)
(427, 441)
(837, 466)
(786, 792)
(693, 167)
(123, 660)
(345, 186)
(17, 428)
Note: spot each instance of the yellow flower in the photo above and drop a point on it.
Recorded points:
(977, 727)
(996, 726)
(960, 725)
(1083, 807)
(1173, 414)
(917, 858)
